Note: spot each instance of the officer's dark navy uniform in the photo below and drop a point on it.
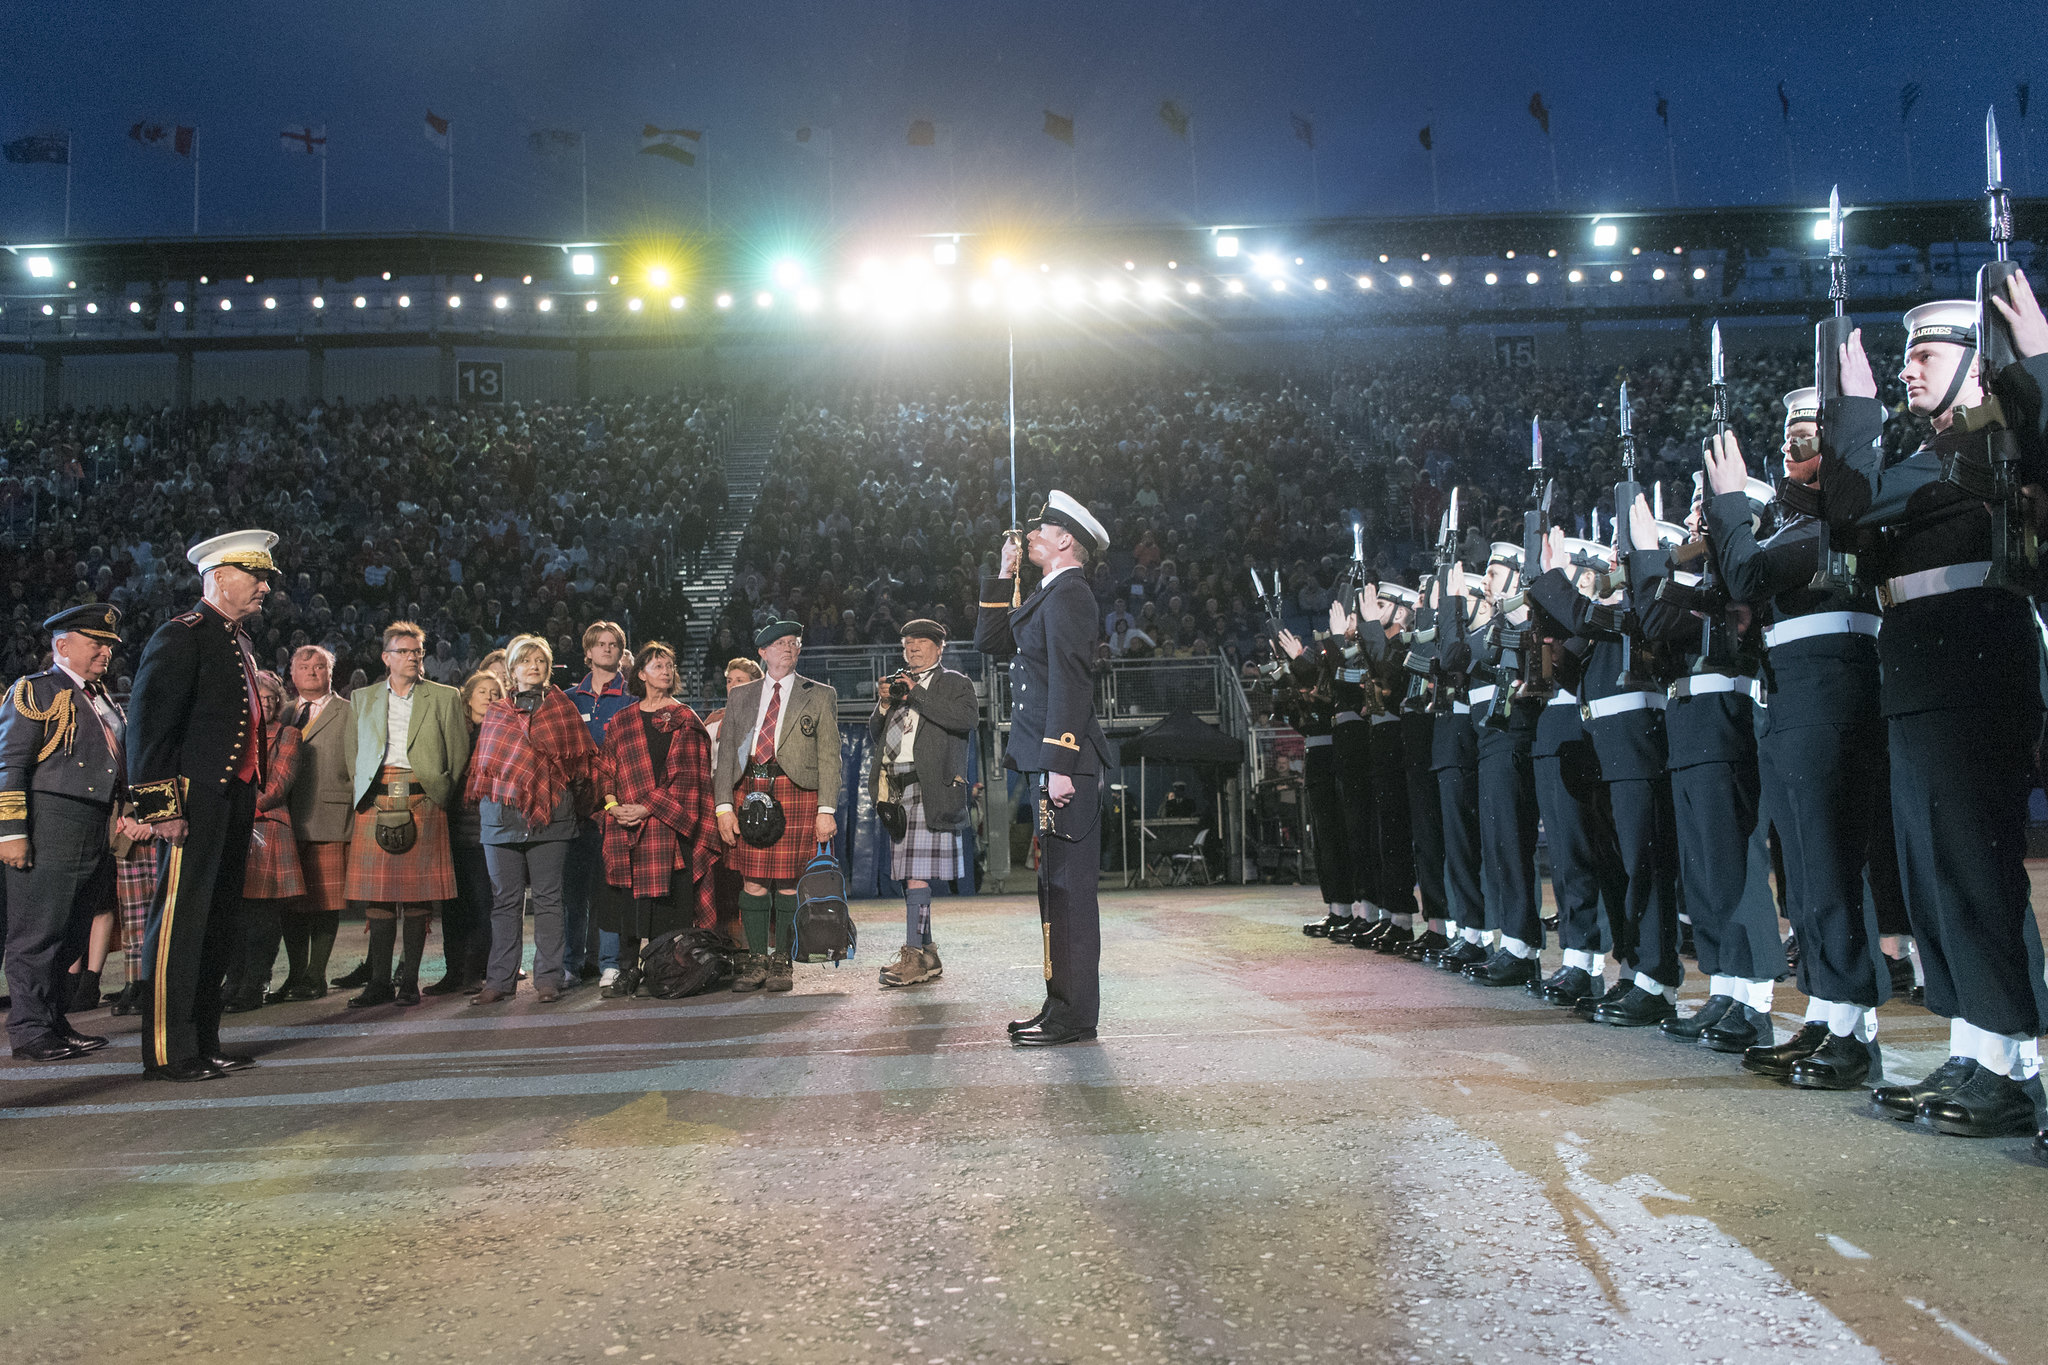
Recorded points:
(195, 752)
(1960, 669)
(1050, 642)
(1821, 754)
(1351, 741)
(1454, 759)
(61, 773)
(1723, 853)
(1392, 836)
(1418, 745)
(1507, 799)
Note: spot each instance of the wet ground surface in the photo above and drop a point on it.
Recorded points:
(1279, 1151)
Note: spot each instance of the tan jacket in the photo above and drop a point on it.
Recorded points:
(322, 800)
(808, 749)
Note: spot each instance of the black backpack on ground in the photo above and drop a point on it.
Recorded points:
(824, 924)
(687, 962)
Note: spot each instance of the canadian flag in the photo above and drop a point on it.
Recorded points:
(171, 137)
(437, 130)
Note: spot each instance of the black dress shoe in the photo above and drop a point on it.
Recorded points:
(304, 990)
(1702, 1019)
(1018, 1026)
(1842, 1063)
(1369, 933)
(84, 1042)
(450, 984)
(1427, 942)
(130, 999)
(1901, 969)
(373, 994)
(406, 993)
(1474, 968)
(1321, 928)
(1638, 1009)
(1570, 986)
(53, 1050)
(1394, 941)
(1550, 923)
(359, 977)
(1740, 1029)
(1459, 956)
(2041, 1145)
(1902, 1102)
(1791, 952)
(1347, 928)
(1986, 1105)
(1776, 1062)
(187, 1069)
(1055, 1036)
(1589, 1005)
(241, 1004)
(1505, 969)
(231, 1061)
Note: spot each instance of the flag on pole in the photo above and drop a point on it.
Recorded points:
(1304, 130)
(1663, 109)
(1909, 95)
(554, 141)
(304, 140)
(664, 142)
(172, 138)
(1175, 118)
(1538, 112)
(1428, 144)
(53, 148)
(1784, 103)
(2021, 92)
(1059, 129)
(437, 130)
(922, 133)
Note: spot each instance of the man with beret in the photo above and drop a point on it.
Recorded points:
(924, 717)
(778, 751)
(195, 762)
(61, 772)
(1056, 742)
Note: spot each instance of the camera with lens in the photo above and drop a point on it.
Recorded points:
(899, 688)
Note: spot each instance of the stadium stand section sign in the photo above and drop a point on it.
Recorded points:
(480, 382)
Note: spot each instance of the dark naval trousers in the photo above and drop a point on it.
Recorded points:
(195, 924)
(1390, 807)
(1069, 864)
(1353, 745)
(1326, 821)
(1425, 816)
(53, 902)
(1507, 829)
(1585, 870)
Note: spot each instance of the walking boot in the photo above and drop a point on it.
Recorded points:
(752, 975)
(407, 987)
(377, 991)
(85, 993)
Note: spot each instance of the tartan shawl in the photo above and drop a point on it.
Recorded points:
(680, 831)
(526, 762)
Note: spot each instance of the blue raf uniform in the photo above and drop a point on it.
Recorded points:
(61, 771)
(1050, 640)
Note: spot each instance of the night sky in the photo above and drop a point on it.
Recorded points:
(1370, 76)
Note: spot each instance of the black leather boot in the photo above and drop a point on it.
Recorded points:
(1588, 1006)
(1505, 969)
(1570, 986)
(1842, 1063)
(1394, 942)
(1740, 1029)
(1986, 1105)
(1427, 942)
(1902, 1102)
(407, 986)
(383, 937)
(1321, 928)
(1637, 1009)
(85, 992)
(1705, 1017)
(1776, 1062)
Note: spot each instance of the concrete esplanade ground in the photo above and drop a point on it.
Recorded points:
(1279, 1151)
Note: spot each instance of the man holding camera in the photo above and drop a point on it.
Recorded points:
(923, 718)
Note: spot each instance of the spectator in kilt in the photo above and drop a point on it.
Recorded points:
(411, 743)
(921, 725)
(660, 840)
(530, 778)
(466, 920)
(781, 740)
(271, 876)
(323, 818)
(725, 879)
(135, 860)
(600, 696)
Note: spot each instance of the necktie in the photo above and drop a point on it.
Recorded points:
(764, 743)
(305, 713)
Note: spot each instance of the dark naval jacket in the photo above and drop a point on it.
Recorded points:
(51, 741)
(1050, 642)
(189, 725)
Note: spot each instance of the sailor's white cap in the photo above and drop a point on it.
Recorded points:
(1580, 552)
(1802, 405)
(1394, 592)
(1950, 320)
(1505, 552)
(1760, 493)
(1062, 509)
(1670, 535)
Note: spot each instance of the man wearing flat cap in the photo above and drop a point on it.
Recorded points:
(61, 773)
(778, 750)
(1058, 745)
(195, 761)
(923, 718)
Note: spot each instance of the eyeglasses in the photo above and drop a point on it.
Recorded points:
(406, 653)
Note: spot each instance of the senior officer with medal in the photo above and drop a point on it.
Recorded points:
(1056, 741)
(195, 761)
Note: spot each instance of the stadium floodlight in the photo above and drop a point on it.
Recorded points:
(41, 267)
(1193, 287)
(808, 300)
(1511, 255)
(48, 311)
(1321, 284)
(1577, 277)
(788, 273)
(1130, 265)
(479, 277)
(1110, 291)
(1066, 292)
(1173, 265)
(1279, 286)
(1820, 229)
(1152, 289)
(1425, 255)
(945, 253)
(1678, 251)
(1383, 258)
(677, 302)
(1533, 278)
(590, 305)
(318, 302)
(582, 263)
(764, 299)
(1405, 281)
(1265, 263)
(632, 305)
(1000, 266)
(723, 300)
(387, 276)
(92, 308)
(658, 276)
(270, 303)
(1022, 296)
(545, 305)
(405, 300)
(1492, 278)
(1233, 287)
(1226, 246)
(1658, 273)
(1614, 277)
(1365, 281)
(615, 278)
(134, 306)
(1698, 273)
(361, 302)
(1605, 234)
(1444, 279)
(204, 280)
(455, 300)
(227, 305)
(501, 302)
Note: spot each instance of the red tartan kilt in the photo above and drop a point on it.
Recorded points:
(325, 869)
(425, 872)
(786, 860)
(272, 872)
(134, 889)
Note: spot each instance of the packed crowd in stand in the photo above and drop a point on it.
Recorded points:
(477, 523)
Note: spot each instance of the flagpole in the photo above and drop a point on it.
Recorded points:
(1671, 150)
(583, 155)
(67, 183)
(1074, 167)
(1436, 198)
(1556, 186)
(1791, 176)
(831, 187)
(195, 182)
(1010, 331)
(1906, 134)
(1194, 168)
(451, 176)
(323, 187)
(705, 143)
